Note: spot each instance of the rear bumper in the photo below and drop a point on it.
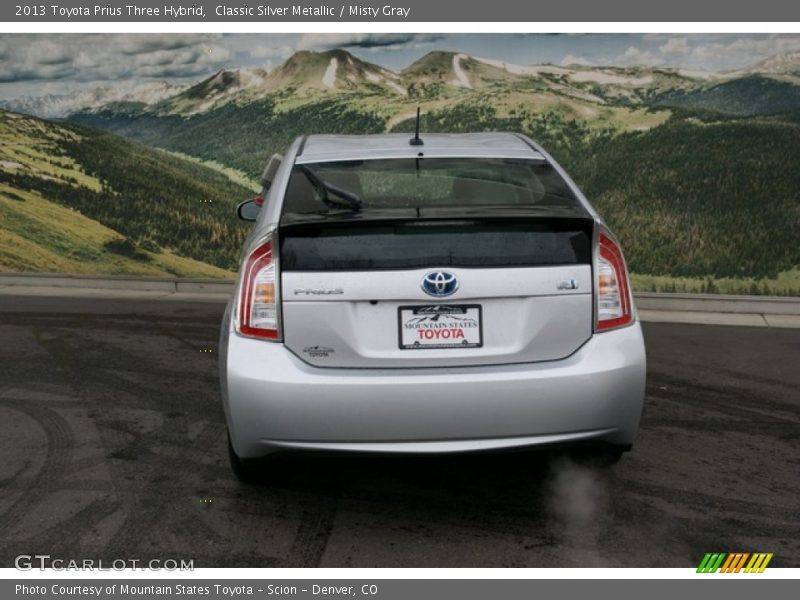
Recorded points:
(273, 401)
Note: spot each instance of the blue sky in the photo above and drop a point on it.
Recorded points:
(38, 64)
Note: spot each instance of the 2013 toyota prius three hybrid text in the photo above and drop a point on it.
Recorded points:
(445, 294)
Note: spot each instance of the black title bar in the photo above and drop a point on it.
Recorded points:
(474, 11)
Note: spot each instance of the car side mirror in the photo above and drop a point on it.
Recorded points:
(249, 209)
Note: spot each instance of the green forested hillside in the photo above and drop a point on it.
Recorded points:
(243, 137)
(83, 200)
(754, 95)
(708, 196)
(716, 198)
(694, 199)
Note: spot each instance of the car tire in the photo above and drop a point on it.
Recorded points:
(247, 470)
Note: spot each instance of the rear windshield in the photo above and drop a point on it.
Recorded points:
(426, 182)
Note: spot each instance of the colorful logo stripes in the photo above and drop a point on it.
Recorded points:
(734, 562)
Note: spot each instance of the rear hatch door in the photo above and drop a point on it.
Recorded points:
(411, 291)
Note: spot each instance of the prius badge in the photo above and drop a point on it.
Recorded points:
(439, 284)
(318, 291)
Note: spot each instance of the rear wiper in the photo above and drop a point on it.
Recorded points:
(326, 189)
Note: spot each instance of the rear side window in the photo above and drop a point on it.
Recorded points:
(430, 182)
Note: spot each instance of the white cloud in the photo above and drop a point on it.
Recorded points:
(110, 57)
(713, 52)
(656, 37)
(311, 41)
(676, 46)
(132, 43)
(635, 56)
(63, 62)
(281, 52)
(48, 53)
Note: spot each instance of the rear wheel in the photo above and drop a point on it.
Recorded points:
(247, 470)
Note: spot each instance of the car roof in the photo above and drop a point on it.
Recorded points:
(322, 148)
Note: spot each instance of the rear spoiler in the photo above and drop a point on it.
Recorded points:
(435, 214)
(268, 176)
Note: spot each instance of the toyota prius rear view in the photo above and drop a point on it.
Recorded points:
(439, 294)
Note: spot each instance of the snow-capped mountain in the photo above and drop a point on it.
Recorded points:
(304, 73)
(438, 75)
(788, 62)
(62, 105)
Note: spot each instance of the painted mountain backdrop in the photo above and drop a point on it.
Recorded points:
(698, 173)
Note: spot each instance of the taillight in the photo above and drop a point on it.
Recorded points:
(258, 304)
(613, 294)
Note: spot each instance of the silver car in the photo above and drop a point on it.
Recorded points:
(449, 293)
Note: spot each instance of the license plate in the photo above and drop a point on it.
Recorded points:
(440, 326)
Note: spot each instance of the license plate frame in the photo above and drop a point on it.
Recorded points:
(460, 317)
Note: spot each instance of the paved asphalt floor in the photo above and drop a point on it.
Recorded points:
(112, 439)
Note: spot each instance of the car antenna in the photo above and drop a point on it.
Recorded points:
(416, 140)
